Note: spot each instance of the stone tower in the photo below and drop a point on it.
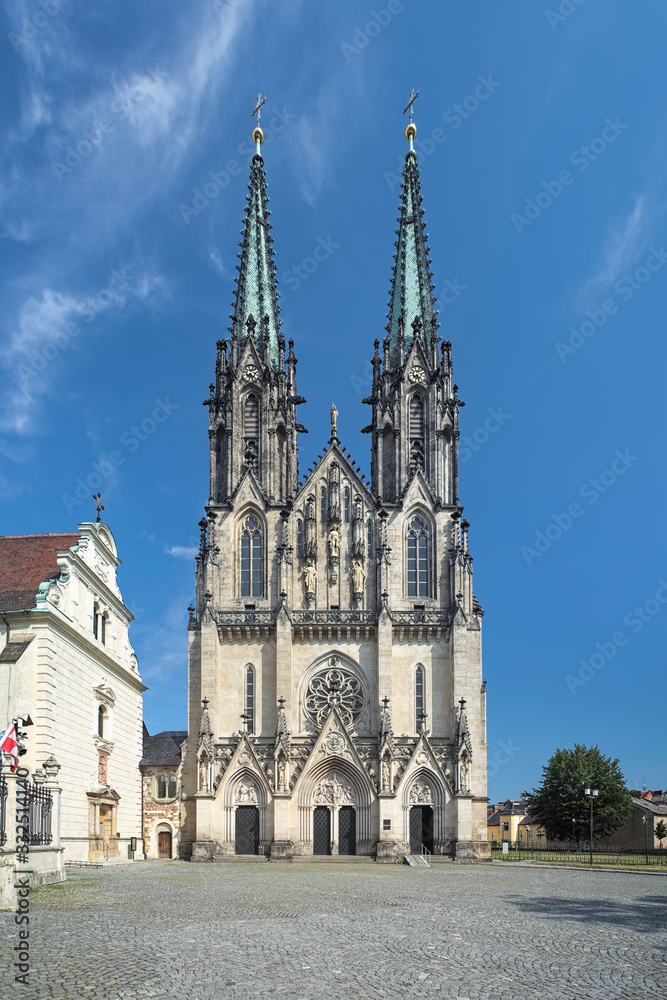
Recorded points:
(336, 702)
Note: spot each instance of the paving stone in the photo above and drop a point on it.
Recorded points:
(164, 930)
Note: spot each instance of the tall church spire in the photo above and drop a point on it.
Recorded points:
(252, 403)
(256, 312)
(411, 295)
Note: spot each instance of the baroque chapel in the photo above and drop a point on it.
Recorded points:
(336, 702)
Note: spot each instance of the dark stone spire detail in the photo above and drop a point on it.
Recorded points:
(256, 312)
(411, 294)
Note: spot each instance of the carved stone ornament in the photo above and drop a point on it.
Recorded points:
(54, 595)
(102, 745)
(101, 568)
(420, 793)
(105, 694)
(331, 688)
(334, 791)
(246, 794)
(334, 743)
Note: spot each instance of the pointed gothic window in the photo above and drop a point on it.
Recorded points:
(323, 505)
(171, 791)
(250, 698)
(419, 698)
(161, 788)
(299, 539)
(369, 538)
(252, 584)
(416, 432)
(346, 504)
(417, 552)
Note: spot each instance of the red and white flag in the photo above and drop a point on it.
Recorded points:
(9, 745)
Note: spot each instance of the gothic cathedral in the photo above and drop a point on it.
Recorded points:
(336, 702)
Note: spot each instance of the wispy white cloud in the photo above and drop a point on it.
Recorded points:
(181, 551)
(622, 243)
(50, 324)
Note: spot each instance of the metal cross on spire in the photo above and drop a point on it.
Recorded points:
(257, 110)
(414, 94)
(98, 500)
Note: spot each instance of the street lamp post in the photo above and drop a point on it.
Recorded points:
(645, 837)
(591, 794)
(574, 836)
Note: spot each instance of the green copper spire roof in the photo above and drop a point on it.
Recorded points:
(411, 288)
(256, 311)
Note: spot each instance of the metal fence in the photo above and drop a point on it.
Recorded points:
(3, 810)
(39, 804)
(624, 857)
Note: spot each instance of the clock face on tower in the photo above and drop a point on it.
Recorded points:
(250, 373)
(417, 374)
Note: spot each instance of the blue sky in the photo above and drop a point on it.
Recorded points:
(541, 147)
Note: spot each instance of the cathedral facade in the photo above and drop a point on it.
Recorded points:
(336, 701)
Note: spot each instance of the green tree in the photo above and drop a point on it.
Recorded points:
(560, 798)
(661, 831)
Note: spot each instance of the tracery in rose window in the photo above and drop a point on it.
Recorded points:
(334, 687)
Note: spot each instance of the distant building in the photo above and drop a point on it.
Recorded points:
(648, 808)
(66, 660)
(161, 793)
(511, 821)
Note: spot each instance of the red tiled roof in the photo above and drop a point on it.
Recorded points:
(26, 561)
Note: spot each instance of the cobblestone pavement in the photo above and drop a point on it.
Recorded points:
(305, 932)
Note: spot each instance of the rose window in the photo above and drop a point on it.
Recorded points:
(334, 688)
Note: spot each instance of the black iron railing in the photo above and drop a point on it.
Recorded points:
(333, 617)
(40, 808)
(624, 857)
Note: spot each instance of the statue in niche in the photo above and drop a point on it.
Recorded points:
(334, 543)
(282, 775)
(203, 777)
(358, 576)
(464, 774)
(310, 578)
(386, 776)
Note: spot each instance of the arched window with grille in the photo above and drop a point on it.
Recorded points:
(416, 411)
(250, 698)
(101, 718)
(346, 504)
(323, 505)
(299, 539)
(418, 558)
(252, 583)
(420, 700)
(161, 787)
(171, 790)
(251, 429)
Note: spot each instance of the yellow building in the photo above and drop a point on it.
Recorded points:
(510, 821)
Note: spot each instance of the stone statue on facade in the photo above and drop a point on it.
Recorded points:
(358, 576)
(334, 543)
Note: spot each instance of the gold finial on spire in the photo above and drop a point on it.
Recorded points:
(411, 130)
(257, 134)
